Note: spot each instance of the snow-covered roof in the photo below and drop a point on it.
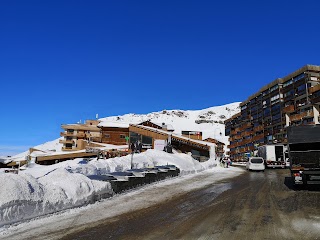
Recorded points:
(169, 127)
(178, 136)
(114, 124)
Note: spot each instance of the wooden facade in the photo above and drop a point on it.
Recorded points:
(219, 146)
(150, 124)
(114, 135)
(178, 142)
(196, 135)
(78, 136)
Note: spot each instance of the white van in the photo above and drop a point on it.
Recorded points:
(255, 164)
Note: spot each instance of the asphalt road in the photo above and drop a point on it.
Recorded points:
(258, 205)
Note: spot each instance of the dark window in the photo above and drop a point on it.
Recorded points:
(256, 160)
(122, 136)
(107, 135)
(68, 145)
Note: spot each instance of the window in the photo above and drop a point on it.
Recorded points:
(297, 78)
(266, 112)
(107, 135)
(301, 87)
(69, 146)
(146, 140)
(244, 107)
(287, 83)
(291, 92)
(122, 136)
(275, 97)
(274, 88)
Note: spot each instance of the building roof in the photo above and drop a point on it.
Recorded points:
(176, 136)
(212, 140)
(80, 127)
(114, 124)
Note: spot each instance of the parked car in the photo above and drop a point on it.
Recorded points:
(255, 164)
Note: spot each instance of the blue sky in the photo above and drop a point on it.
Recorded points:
(62, 61)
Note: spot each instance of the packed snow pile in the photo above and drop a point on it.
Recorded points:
(40, 190)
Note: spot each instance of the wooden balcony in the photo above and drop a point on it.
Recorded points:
(248, 133)
(258, 137)
(81, 135)
(246, 125)
(298, 117)
(314, 89)
(258, 128)
(237, 137)
(233, 132)
(69, 149)
(251, 148)
(288, 109)
(315, 99)
(66, 134)
(64, 141)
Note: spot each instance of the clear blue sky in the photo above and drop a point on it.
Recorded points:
(62, 61)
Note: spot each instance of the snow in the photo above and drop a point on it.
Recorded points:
(41, 190)
(136, 199)
(210, 120)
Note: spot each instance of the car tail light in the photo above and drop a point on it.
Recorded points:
(296, 174)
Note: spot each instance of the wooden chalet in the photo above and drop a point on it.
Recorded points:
(150, 124)
(147, 135)
(196, 135)
(114, 133)
(78, 136)
(219, 146)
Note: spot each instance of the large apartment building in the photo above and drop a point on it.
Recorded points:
(291, 100)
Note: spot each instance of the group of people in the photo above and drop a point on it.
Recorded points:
(136, 147)
(225, 162)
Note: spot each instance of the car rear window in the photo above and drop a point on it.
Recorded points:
(256, 160)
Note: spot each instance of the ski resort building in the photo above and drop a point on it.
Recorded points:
(219, 146)
(291, 100)
(114, 133)
(78, 136)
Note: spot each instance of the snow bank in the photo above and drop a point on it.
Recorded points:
(24, 197)
(40, 190)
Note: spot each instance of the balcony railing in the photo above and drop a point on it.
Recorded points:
(288, 109)
(315, 99)
(248, 133)
(258, 137)
(297, 117)
(314, 89)
(81, 135)
(66, 134)
(258, 128)
(64, 141)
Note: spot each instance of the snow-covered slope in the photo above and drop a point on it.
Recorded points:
(209, 121)
(52, 146)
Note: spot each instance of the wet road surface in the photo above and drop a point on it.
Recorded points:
(255, 205)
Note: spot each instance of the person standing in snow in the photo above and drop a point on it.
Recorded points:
(132, 147)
